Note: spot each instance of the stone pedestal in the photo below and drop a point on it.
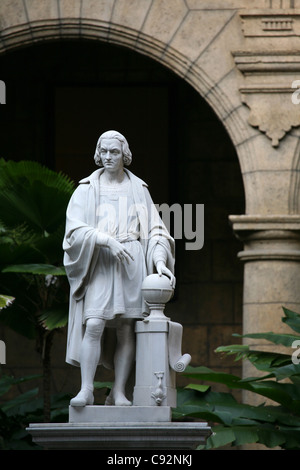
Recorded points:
(119, 414)
(155, 380)
(158, 348)
(119, 436)
(146, 425)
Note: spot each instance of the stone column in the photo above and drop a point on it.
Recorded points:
(271, 259)
(269, 67)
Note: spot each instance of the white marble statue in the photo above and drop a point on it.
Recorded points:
(114, 238)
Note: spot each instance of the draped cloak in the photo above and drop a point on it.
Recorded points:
(81, 253)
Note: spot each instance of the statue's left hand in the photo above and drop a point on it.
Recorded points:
(162, 269)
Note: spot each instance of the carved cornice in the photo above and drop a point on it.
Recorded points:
(270, 75)
(271, 23)
(271, 61)
(268, 89)
(251, 223)
(268, 237)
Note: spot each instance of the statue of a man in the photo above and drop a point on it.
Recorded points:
(114, 238)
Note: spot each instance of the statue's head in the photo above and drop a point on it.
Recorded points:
(127, 155)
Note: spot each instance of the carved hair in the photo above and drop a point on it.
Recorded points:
(127, 155)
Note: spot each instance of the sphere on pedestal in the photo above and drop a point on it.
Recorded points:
(157, 289)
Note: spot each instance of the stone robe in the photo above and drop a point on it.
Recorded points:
(82, 257)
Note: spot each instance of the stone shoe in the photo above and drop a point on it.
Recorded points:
(84, 397)
(120, 400)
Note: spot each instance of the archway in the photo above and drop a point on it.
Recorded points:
(50, 117)
(20, 30)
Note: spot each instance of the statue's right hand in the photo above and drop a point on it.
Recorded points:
(119, 251)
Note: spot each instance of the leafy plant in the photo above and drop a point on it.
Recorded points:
(5, 301)
(236, 423)
(33, 201)
(16, 413)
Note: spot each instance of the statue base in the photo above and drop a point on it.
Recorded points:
(119, 428)
(172, 436)
(117, 414)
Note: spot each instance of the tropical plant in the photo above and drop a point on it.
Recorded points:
(33, 201)
(24, 408)
(234, 423)
(5, 301)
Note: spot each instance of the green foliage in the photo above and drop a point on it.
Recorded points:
(236, 423)
(36, 269)
(33, 202)
(33, 194)
(24, 408)
(6, 300)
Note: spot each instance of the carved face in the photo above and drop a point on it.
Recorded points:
(111, 154)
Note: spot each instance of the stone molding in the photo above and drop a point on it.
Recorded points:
(265, 222)
(112, 436)
(270, 237)
(269, 74)
(268, 90)
(271, 23)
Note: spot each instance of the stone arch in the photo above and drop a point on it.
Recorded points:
(24, 27)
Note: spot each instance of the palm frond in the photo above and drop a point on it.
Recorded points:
(34, 195)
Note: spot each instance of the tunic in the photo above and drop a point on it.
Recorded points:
(114, 288)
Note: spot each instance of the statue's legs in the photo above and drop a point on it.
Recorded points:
(124, 358)
(89, 359)
(123, 362)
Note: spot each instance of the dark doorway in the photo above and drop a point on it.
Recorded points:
(61, 96)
